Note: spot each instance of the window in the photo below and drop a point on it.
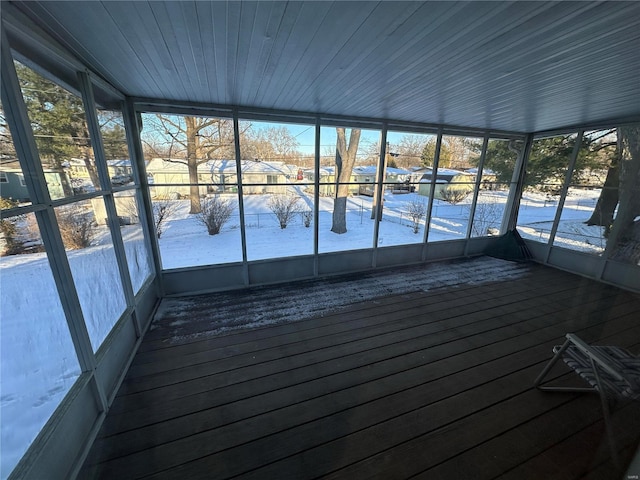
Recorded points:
(347, 202)
(196, 223)
(546, 171)
(278, 203)
(406, 199)
(3, 178)
(453, 190)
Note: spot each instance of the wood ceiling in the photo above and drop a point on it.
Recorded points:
(517, 66)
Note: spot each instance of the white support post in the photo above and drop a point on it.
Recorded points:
(563, 192)
(243, 231)
(476, 191)
(378, 204)
(86, 88)
(432, 189)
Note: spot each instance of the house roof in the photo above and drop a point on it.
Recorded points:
(174, 166)
(519, 66)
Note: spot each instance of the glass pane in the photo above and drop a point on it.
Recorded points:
(114, 142)
(139, 257)
(13, 190)
(278, 196)
(581, 227)
(405, 204)
(194, 188)
(38, 362)
(91, 255)
(546, 171)
(454, 186)
(495, 183)
(347, 193)
(60, 129)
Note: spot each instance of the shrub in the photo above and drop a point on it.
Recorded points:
(454, 196)
(416, 210)
(9, 243)
(307, 216)
(77, 226)
(215, 212)
(283, 207)
(163, 210)
(486, 219)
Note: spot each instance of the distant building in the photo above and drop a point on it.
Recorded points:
(13, 186)
(447, 182)
(170, 178)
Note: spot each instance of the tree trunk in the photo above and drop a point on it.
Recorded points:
(345, 160)
(624, 241)
(603, 212)
(192, 164)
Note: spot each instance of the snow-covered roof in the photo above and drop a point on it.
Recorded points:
(160, 165)
(323, 170)
(365, 170)
(119, 163)
(251, 166)
(397, 171)
(485, 171)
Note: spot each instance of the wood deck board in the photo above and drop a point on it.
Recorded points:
(361, 389)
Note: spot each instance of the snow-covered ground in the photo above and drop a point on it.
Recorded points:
(38, 361)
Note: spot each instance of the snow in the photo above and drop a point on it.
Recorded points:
(39, 365)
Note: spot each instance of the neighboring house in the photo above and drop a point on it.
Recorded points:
(171, 177)
(119, 169)
(12, 184)
(447, 182)
(363, 179)
(265, 177)
(488, 181)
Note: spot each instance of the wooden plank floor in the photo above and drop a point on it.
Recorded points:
(425, 384)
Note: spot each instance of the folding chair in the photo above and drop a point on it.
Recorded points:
(613, 372)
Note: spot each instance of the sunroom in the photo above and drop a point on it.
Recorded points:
(194, 285)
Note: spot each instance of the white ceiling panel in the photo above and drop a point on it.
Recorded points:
(518, 66)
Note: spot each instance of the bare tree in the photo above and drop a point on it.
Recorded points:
(163, 210)
(409, 150)
(345, 160)
(284, 208)
(416, 211)
(77, 226)
(191, 141)
(486, 218)
(215, 212)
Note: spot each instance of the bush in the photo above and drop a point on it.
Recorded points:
(307, 216)
(416, 210)
(215, 212)
(454, 196)
(283, 207)
(9, 243)
(486, 219)
(163, 210)
(77, 226)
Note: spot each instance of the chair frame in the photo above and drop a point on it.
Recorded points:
(598, 362)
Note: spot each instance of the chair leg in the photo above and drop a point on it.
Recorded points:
(607, 419)
(547, 369)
